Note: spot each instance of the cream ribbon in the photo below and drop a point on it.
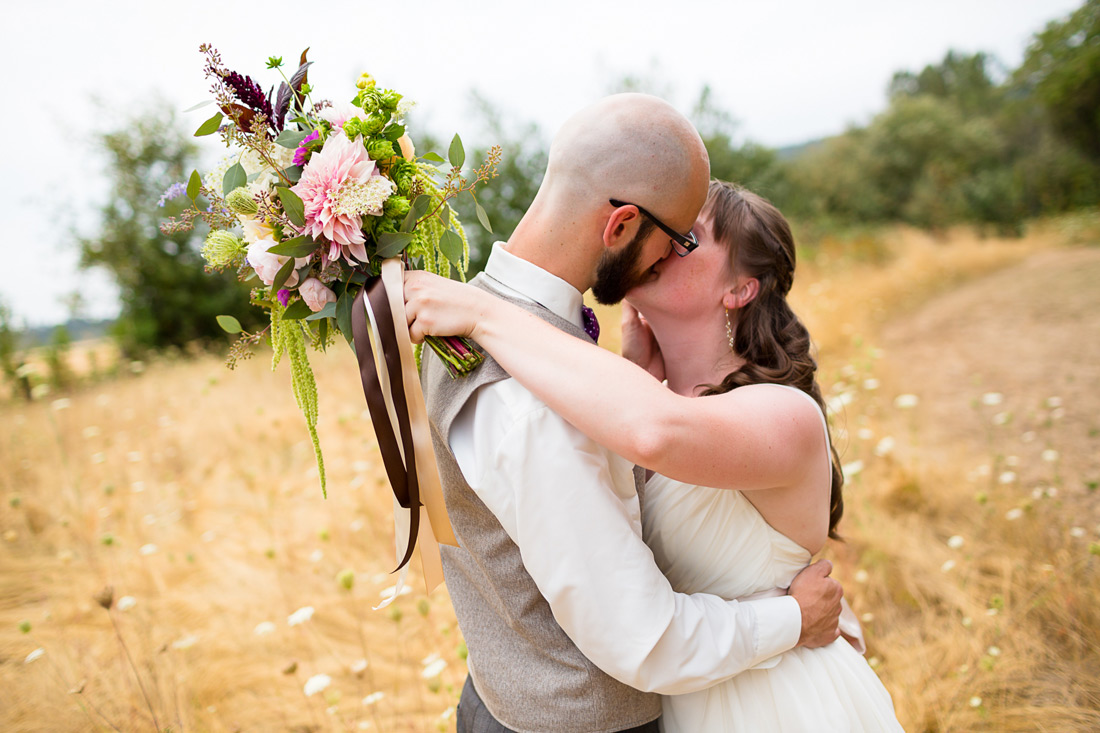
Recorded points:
(435, 526)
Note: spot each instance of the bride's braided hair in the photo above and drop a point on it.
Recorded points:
(768, 335)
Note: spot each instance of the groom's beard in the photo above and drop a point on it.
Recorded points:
(618, 272)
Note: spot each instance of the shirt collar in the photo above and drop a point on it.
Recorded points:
(530, 281)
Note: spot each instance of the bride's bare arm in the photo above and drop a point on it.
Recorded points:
(746, 439)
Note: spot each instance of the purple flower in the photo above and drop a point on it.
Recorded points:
(284, 296)
(251, 95)
(172, 192)
(303, 147)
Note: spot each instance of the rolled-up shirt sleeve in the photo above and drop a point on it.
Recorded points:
(572, 508)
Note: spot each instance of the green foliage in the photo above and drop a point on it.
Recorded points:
(289, 337)
(1062, 72)
(508, 196)
(166, 298)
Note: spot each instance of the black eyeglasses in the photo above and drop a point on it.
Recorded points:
(682, 244)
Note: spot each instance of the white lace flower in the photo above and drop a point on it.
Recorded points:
(317, 683)
(300, 616)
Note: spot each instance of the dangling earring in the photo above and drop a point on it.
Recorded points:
(729, 329)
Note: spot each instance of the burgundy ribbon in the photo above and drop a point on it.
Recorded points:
(401, 474)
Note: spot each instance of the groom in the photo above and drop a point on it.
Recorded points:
(569, 623)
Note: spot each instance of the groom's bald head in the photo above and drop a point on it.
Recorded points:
(633, 147)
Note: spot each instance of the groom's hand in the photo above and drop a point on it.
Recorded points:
(818, 596)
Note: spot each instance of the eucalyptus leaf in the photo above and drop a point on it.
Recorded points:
(393, 132)
(291, 138)
(322, 332)
(296, 311)
(483, 217)
(327, 312)
(292, 205)
(229, 324)
(392, 244)
(194, 184)
(343, 314)
(235, 177)
(210, 126)
(293, 173)
(433, 157)
(282, 275)
(200, 105)
(302, 246)
(456, 154)
(419, 207)
(450, 244)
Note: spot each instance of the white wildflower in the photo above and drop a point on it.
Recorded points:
(264, 628)
(39, 391)
(836, 403)
(1058, 413)
(947, 566)
(967, 622)
(1077, 532)
(1002, 418)
(852, 469)
(126, 603)
(870, 384)
(993, 651)
(1012, 461)
(373, 698)
(148, 549)
(185, 642)
(90, 432)
(1007, 477)
(865, 433)
(867, 617)
(359, 666)
(316, 683)
(861, 576)
(1028, 437)
(434, 669)
(1014, 514)
(906, 401)
(992, 398)
(34, 655)
(300, 616)
(1054, 401)
(885, 446)
(316, 556)
(62, 404)
(955, 541)
(1050, 455)
(975, 702)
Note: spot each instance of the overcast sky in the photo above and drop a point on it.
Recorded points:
(788, 71)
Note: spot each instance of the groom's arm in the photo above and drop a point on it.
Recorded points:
(572, 509)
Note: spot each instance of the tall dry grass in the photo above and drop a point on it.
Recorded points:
(191, 491)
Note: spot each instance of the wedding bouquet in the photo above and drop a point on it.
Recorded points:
(313, 197)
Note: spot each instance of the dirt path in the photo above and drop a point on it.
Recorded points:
(1030, 333)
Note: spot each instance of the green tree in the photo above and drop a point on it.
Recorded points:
(167, 298)
(1062, 71)
(963, 79)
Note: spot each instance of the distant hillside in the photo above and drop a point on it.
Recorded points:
(79, 329)
(791, 152)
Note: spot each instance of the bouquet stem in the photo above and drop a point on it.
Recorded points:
(457, 352)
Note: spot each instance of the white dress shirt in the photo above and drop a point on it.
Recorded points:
(572, 508)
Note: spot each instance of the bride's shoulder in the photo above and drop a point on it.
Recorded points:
(787, 407)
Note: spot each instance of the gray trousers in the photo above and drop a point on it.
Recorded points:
(474, 717)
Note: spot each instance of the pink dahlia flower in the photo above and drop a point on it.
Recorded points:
(339, 185)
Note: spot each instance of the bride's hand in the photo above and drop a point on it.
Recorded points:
(639, 344)
(436, 306)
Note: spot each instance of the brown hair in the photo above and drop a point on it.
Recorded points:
(768, 335)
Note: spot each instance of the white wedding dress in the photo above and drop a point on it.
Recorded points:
(715, 541)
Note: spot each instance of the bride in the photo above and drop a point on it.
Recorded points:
(745, 486)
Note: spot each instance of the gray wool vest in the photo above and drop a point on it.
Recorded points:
(529, 674)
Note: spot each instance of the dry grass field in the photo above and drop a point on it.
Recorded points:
(964, 376)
